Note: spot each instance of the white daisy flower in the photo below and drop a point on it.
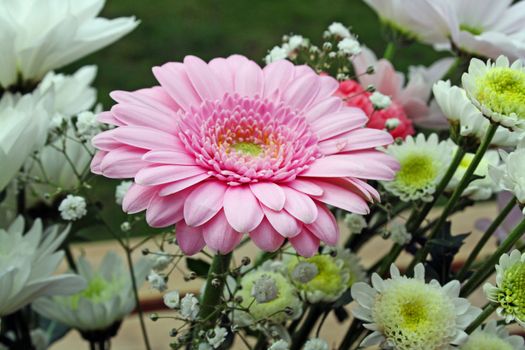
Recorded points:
(461, 113)
(355, 222)
(189, 307)
(510, 175)
(72, 207)
(498, 90)
(408, 313)
(121, 191)
(27, 263)
(217, 337)
(478, 189)
(509, 291)
(316, 344)
(423, 163)
(492, 336)
(109, 288)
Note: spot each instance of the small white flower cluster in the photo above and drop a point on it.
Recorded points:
(287, 50)
(316, 344)
(87, 125)
(157, 281)
(399, 233)
(380, 101)
(72, 207)
(355, 222)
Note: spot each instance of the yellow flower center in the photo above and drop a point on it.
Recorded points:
(414, 313)
(416, 171)
(248, 148)
(502, 90)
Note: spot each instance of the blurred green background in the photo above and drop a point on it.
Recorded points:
(171, 29)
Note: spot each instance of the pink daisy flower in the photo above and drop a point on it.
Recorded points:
(225, 148)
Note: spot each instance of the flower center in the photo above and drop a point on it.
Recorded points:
(98, 290)
(511, 295)
(416, 171)
(486, 341)
(414, 313)
(247, 148)
(264, 289)
(503, 91)
(471, 29)
(328, 278)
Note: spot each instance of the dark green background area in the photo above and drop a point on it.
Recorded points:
(171, 29)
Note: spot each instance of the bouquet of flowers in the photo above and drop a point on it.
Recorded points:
(308, 157)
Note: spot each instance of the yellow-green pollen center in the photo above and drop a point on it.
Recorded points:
(502, 90)
(486, 341)
(471, 29)
(416, 171)
(511, 294)
(248, 148)
(98, 290)
(414, 313)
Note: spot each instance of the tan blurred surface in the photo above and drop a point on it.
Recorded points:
(130, 337)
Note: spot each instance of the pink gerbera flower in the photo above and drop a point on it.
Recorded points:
(224, 148)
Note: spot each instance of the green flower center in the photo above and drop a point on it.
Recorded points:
(502, 90)
(328, 278)
(416, 171)
(471, 29)
(511, 294)
(248, 148)
(414, 313)
(486, 341)
(98, 290)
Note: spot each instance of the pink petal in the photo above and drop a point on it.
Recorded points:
(174, 79)
(204, 202)
(341, 197)
(123, 162)
(138, 198)
(108, 118)
(167, 210)
(147, 138)
(249, 80)
(339, 122)
(180, 185)
(219, 235)
(105, 141)
(277, 76)
(223, 72)
(328, 87)
(301, 206)
(177, 157)
(305, 243)
(190, 239)
(242, 209)
(283, 222)
(325, 227)
(162, 174)
(305, 186)
(145, 116)
(365, 189)
(95, 162)
(269, 194)
(203, 79)
(301, 92)
(328, 106)
(358, 139)
(266, 237)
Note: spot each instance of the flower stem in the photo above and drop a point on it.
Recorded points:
(465, 180)
(487, 311)
(490, 231)
(300, 337)
(137, 299)
(213, 290)
(487, 268)
(390, 51)
(355, 330)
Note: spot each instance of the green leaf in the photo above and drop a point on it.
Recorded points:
(199, 266)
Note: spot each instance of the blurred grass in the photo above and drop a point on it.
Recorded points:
(171, 29)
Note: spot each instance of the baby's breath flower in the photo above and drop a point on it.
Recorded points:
(380, 101)
(399, 233)
(189, 307)
(392, 123)
(161, 262)
(157, 281)
(217, 337)
(509, 292)
(355, 222)
(339, 30)
(121, 191)
(492, 336)
(72, 207)
(349, 46)
(423, 163)
(407, 313)
(316, 344)
(172, 299)
(87, 125)
(279, 345)
(498, 90)
(295, 42)
(276, 53)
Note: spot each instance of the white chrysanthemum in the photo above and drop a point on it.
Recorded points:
(380, 101)
(72, 207)
(407, 313)
(399, 233)
(24, 122)
(493, 337)
(39, 36)
(189, 307)
(423, 163)
(217, 337)
(172, 299)
(509, 291)
(349, 46)
(27, 263)
(355, 222)
(316, 344)
(121, 191)
(279, 345)
(338, 29)
(510, 175)
(351, 263)
(459, 110)
(482, 188)
(107, 299)
(266, 295)
(157, 281)
(498, 90)
(321, 277)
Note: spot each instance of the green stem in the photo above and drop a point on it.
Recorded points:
(487, 268)
(465, 180)
(137, 299)
(390, 51)
(355, 330)
(300, 337)
(487, 311)
(214, 288)
(490, 231)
